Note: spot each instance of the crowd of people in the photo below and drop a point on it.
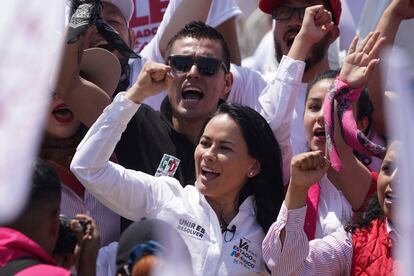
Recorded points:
(180, 159)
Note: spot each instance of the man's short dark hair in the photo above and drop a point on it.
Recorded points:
(199, 30)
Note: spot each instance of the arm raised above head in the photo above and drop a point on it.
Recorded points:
(388, 25)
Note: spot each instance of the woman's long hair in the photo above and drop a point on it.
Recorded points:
(267, 186)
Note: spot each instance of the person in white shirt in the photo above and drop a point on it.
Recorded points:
(289, 17)
(238, 188)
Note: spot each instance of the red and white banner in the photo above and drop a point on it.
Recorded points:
(30, 46)
(146, 19)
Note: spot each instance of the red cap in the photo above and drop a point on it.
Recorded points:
(267, 6)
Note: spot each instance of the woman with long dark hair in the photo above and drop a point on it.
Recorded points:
(223, 218)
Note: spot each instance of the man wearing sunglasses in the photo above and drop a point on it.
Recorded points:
(289, 19)
(198, 78)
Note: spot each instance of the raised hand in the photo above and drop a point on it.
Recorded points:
(360, 62)
(84, 14)
(153, 78)
(317, 22)
(308, 168)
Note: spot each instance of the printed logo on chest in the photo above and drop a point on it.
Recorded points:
(168, 166)
(243, 254)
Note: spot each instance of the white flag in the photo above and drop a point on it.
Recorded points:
(30, 47)
(400, 119)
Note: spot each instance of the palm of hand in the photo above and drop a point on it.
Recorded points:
(353, 70)
(359, 63)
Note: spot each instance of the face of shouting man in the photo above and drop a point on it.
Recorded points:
(289, 16)
(200, 78)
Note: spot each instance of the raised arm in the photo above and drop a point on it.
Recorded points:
(185, 12)
(286, 248)
(229, 31)
(276, 100)
(394, 14)
(129, 193)
(84, 98)
(354, 179)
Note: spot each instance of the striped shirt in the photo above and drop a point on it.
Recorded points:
(107, 221)
(331, 255)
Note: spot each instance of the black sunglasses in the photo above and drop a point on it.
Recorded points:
(207, 66)
(285, 12)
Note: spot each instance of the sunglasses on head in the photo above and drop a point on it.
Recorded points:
(207, 66)
(285, 12)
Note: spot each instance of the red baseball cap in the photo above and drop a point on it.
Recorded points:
(335, 7)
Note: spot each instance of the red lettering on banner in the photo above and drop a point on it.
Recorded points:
(157, 8)
(146, 32)
(156, 12)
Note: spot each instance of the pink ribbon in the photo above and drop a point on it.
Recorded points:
(352, 136)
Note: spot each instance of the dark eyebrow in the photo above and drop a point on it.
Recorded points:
(314, 99)
(205, 137)
(221, 142)
(227, 142)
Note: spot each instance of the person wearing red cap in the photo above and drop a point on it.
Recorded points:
(289, 15)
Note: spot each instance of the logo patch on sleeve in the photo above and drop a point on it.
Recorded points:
(168, 166)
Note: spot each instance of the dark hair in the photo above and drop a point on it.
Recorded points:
(199, 30)
(45, 187)
(372, 212)
(365, 107)
(267, 186)
(329, 74)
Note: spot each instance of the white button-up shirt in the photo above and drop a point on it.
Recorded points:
(135, 195)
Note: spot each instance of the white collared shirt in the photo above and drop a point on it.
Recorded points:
(135, 195)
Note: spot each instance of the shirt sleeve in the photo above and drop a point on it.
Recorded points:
(331, 255)
(129, 193)
(105, 262)
(274, 99)
(221, 11)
